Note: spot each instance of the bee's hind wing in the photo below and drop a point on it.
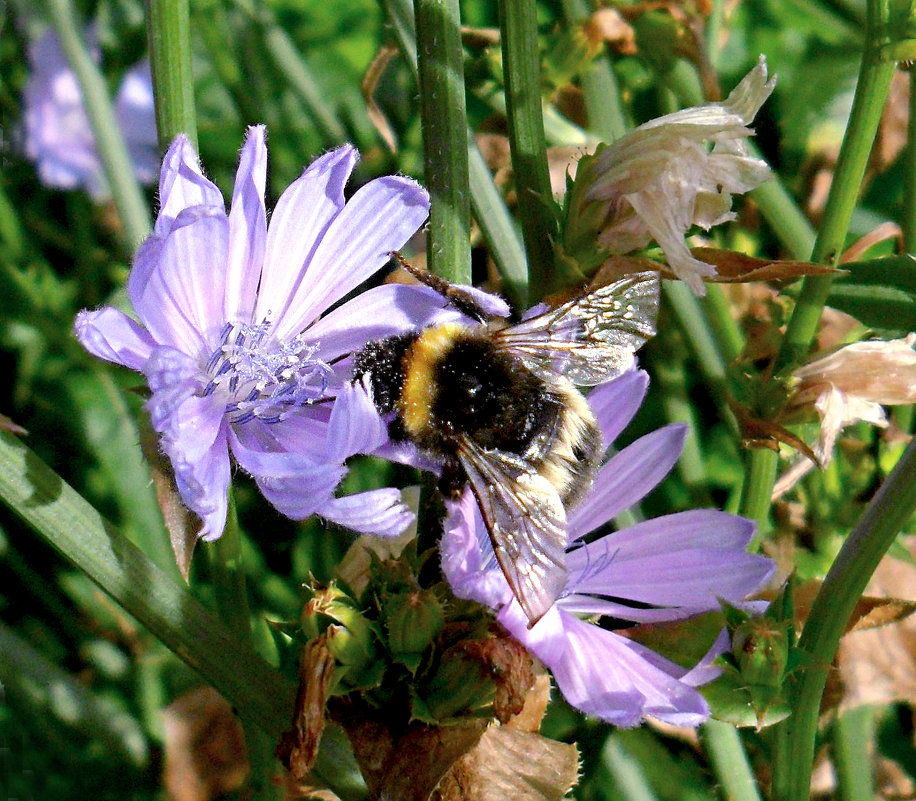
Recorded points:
(526, 522)
(593, 337)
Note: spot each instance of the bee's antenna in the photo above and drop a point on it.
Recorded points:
(460, 299)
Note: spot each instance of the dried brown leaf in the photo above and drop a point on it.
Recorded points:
(402, 762)
(608, 25)
(205, 754)
(733, 267)
(369, 84)
(511, 669)
(511, 764)
(298, 747)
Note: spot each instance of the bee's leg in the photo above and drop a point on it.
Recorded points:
(453, 479)
(458, 298)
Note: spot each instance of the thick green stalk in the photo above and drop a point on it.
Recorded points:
(522, 77)
(169, 29)
(119, 171)
(607, 117)
(489, 209)
(853, 749)
(440, 61)
(868, 103)
(726, 752)
(908, 220)
(890, 509)
(232, 607)
(759, 478)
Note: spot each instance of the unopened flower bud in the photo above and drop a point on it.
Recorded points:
(460, 686)
(413, 621)
(761, 649)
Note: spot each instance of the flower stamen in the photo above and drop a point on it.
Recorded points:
(264, 379)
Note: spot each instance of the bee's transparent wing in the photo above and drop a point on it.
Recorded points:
(592, 338)
(526, 522)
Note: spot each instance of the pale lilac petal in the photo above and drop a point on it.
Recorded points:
(705, 671)
(182, 185)
(378, 313)
(380, 512)
(247, 229)
(616, 402)
(355, 425)
(295, 484)
(111, 335)
(193, 436)
(377, 220)
(468, 561)
(628, 477)
(608, 676)
(493, 305)
(182, 302)
(684, 563)
(297, 225)
(136, 115)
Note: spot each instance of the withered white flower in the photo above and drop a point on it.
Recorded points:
(848, 386)
(678, 171)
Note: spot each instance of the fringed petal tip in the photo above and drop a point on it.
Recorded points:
(751, 93)
(381, 512)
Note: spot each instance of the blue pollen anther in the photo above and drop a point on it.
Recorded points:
(264, 380)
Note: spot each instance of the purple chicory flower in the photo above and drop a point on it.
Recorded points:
(668, 568)
(58, 137)
(231, 338)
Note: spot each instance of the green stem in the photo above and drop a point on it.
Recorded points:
(890, 509)
(440, 60)
(629, 776)
(725, 329)
(759, 478)
(853, 737)
(232, 607)
(868, 103)
(701, 339)
(169, 28)
(908, 219)
(607, 117)
(729, 761)
(490, 211)
(119, 171)
(787, 220)
(522, 76)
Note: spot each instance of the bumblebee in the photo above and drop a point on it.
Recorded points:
(496, 405)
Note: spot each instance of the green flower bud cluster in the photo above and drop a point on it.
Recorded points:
(405, 646)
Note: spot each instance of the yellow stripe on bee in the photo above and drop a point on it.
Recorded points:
(415, 406)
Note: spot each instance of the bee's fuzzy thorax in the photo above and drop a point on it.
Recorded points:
(418, 393)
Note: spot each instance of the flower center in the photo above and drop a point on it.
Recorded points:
(264, 379)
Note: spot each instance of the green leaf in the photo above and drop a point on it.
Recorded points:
(880, 293)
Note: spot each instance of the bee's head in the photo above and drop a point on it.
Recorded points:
(382, 363)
